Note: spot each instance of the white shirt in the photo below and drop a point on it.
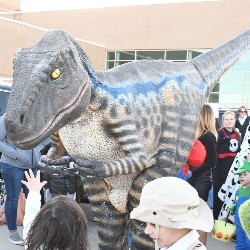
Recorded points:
(187, 242)
(242, 120)
(32, 207)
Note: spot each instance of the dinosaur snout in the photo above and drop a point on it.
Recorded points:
(14, 124)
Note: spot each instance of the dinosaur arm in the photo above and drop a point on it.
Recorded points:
(55, 153)
(135, 159)
(57, 149)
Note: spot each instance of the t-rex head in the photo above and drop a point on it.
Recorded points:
(50, 84)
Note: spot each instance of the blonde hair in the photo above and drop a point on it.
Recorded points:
(206, 121)
(228, 113)
(238, 137)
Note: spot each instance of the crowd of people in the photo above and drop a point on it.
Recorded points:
(177, 219)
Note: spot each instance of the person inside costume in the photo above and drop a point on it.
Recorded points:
(243, 121)
(227, 147)
(173, 211)
(59, 224)
(241, 195)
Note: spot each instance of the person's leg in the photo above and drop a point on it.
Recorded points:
(203, 184)
(247, 241)
(12, 178)
(218, 180)
(210, 197)
(203, 237)
(240, 238)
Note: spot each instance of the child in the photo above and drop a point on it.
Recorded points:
(60, 224)
(173, 212)
(242, 195)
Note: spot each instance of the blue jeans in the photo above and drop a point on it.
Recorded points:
(12, 177)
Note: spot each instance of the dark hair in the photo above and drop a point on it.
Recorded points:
(242, 107)
(60, 224)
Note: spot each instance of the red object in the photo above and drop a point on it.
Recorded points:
(197, 155)
(185, 169)
(233, 136)
(223, 155)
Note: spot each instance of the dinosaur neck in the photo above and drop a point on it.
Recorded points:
(214, 63)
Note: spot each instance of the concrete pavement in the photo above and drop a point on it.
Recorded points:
(212, 244)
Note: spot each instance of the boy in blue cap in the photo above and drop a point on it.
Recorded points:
(242, 195)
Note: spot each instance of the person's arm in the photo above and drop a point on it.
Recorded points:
(32, 207)
(233, 207)
(5, 147)
(209, 141)
(33, 202)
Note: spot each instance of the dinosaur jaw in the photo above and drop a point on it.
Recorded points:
(32, 137)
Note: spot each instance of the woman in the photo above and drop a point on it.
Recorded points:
(14, 162)
(243, 121)
(227, 146)
(201, 178)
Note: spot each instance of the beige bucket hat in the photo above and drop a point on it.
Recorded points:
(173, 203)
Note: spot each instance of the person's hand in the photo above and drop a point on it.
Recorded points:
(33, 183)
(184, 173)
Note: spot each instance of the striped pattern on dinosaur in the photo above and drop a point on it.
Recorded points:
(122, 127)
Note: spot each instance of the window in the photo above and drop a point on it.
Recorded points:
(150, 55)
(176, 55)
(230, 76)
(214, 98)
(194, 53)
(125, 55)
(115, 58)
(121, 62)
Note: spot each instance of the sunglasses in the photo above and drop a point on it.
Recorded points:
(243, 111)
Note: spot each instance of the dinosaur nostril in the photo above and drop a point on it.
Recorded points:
(21, 119)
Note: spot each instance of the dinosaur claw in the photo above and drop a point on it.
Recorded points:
(84, 163)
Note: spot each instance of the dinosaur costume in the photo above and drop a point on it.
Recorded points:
(122, 127)
(244, 214)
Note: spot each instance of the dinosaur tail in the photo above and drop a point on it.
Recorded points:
(213, 64)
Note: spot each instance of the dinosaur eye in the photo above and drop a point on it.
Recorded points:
(55, 74)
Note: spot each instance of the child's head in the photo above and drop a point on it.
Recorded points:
(60, 224)
(171, 206)
(244, 174)
(228, 120)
